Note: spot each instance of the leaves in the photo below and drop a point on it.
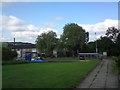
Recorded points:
(112, 33)
(104, 44)
(74, 37)
(46, 42)
(8, 54)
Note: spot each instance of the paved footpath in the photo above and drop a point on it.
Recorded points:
(101, 77)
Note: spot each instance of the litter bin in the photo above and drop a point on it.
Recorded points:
(28, 57)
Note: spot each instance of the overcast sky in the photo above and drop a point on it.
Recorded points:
(26, 20)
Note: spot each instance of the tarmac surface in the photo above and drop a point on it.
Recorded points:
(101, 77)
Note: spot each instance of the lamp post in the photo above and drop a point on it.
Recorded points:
(96, 43)
(14, 44)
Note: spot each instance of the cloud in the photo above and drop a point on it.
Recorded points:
(28, 32)
(18, 0)
(49, 25)
(60, 0)
(58, 18)
(5, 39)
(4, 4)
(100, 28)
(30, 36)
(21, 30)
(13, 21)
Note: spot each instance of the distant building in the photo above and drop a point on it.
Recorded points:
(23, 49)
(55, 52)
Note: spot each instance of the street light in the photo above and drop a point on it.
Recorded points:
(14, 44)
(96, 42)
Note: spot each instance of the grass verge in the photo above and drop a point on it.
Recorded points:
(46, 75)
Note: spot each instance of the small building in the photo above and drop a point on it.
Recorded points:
(23, 49)
(55, 53)
(89, 55)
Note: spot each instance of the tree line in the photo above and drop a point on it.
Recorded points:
(75, 39)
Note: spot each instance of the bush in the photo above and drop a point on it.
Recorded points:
(15, 62)
(20, 61)
(117, 63)
(8, 54)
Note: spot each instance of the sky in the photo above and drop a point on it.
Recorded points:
(26, 20)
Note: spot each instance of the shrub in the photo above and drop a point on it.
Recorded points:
(15, 62)
(8, 54)
(117, 63)
(20, 61)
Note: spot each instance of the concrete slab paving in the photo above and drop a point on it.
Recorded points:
(101, 77)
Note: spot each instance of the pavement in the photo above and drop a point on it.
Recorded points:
(101, 77)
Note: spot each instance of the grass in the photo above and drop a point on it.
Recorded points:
(63, 58)
(114, 68)
(46, 75)
(14, 62)
(115, 65)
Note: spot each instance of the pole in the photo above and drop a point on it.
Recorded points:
(14, 43)
(96, 43)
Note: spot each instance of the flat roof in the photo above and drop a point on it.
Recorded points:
(87, 53)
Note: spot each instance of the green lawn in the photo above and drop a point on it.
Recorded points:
(63, 58)
(46, 75)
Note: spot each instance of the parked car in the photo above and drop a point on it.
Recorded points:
(38, 59)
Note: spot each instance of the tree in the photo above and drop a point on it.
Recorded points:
(92, 47)
(118, 45)
(8, 54)
(46, 42)
(73, 38)
(112, 33)
(86, 37)
(118, 40)
(105, 44)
